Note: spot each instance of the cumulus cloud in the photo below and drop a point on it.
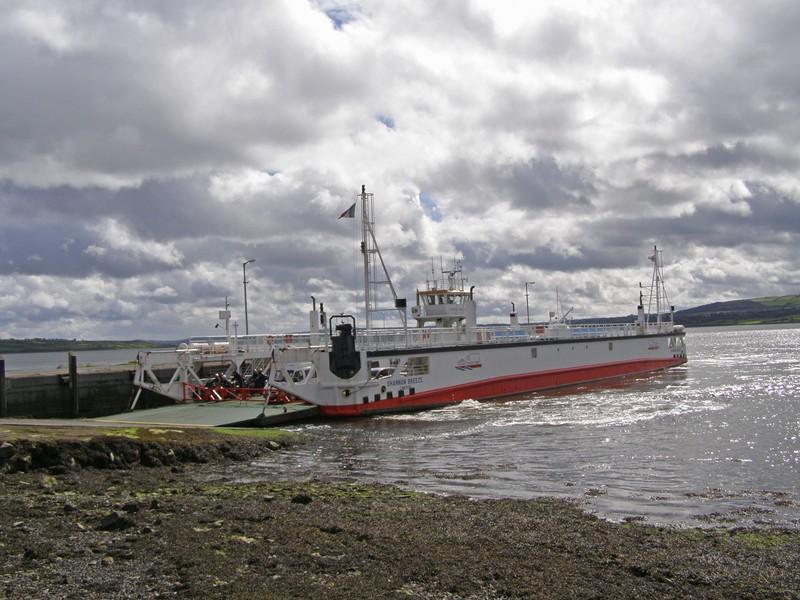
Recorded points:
(148, 148)
(121, 241)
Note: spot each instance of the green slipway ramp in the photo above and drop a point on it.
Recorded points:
(230, 413)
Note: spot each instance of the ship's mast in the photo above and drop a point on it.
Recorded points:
(657, 287)
(452, 278)
(369, 249)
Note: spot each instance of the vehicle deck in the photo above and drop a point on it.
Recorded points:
(215, 414)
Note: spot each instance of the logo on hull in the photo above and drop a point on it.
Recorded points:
(469, 362)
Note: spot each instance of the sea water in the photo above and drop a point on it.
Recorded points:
(716, 441)
(49, 361)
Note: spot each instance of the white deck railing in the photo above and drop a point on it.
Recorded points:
(397, 338)
(390, 339)
(428, 337)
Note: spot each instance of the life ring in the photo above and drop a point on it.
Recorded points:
(287, 338)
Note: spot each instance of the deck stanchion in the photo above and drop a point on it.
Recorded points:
(3, 397)
(73, 385)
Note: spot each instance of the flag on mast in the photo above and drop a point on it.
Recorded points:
(350, 213)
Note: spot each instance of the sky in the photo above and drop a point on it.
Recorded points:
(148, 148)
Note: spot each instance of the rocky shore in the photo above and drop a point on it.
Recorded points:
(134, 514)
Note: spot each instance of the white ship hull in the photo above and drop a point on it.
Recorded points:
(419, 378)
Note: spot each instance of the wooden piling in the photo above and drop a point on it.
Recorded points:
(3, 396)
(73, 384)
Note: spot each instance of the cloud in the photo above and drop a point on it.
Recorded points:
(148, 148)
(122, 242)
(48, 28)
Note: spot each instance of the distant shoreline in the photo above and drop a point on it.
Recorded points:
(742, 323)
(60, 345)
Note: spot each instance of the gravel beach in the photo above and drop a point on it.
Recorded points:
(134, 514)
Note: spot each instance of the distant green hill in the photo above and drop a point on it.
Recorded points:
(755, 311)
(61, 345)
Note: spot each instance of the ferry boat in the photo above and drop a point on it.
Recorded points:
(348, 368)
(447, 357)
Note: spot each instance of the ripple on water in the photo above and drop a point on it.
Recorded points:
(642, 447)
(619, 409)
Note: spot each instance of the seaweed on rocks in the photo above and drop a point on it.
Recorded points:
(120, 452)
(128, 530)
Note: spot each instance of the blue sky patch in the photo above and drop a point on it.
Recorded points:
(339, 17)
(386, 120)
(430, 207)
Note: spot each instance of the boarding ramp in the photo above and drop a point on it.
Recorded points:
(229, 413)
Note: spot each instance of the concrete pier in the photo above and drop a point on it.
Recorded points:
(3, 401)
(84, 392)
(106, 392)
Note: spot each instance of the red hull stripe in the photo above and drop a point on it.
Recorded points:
(501, 386)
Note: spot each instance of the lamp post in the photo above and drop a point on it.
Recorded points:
(244, 283)
(527, 306)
